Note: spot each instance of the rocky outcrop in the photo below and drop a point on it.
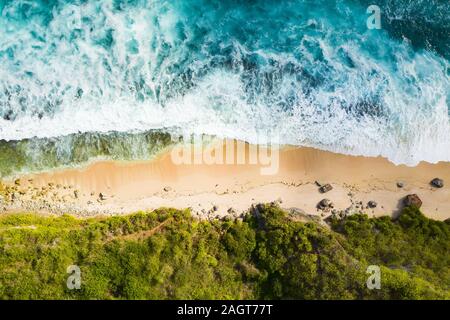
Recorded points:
(325, 204)
(412, 200)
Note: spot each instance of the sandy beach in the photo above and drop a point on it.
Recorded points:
(217, 190)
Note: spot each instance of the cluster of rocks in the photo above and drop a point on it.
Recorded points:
(326, 205)
(52, 198)
(213, 214)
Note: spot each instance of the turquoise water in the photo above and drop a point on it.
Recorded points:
(311, 71)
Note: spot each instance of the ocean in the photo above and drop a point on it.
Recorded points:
(107, 79)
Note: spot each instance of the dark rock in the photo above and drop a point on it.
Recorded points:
(372, 204)
(318, 183)
(412, 200)
(167, 189)
(215, 208)
(325, 188)
(102, 196)
(325, 204)
(437, 183)
(400, 184)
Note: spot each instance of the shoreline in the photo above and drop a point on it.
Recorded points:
(218, 190)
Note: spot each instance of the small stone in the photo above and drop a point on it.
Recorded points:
(412, 200)
(318, 183)
(75, 194)
(102, 196)
(17, 182)
(215, 208)
(400, 184)
(437, 183)
(167, 189)
(372, 204)
(325, 188)
(231, 211)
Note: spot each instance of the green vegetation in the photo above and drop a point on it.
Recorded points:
(167, 254)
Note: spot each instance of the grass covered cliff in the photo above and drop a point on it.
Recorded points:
(167, 254)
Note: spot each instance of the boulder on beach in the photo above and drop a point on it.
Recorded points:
(325, 204)
(412, 200)
(325, 188)
(437, 183)
(372, 204)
